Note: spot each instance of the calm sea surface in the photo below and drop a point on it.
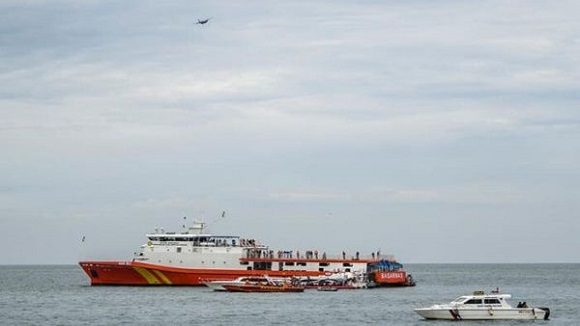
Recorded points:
(60, 295)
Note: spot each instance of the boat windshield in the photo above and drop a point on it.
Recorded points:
(459, 300)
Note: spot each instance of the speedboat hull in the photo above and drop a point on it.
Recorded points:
(262, 288)
(484, 314)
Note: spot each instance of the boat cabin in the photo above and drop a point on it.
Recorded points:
(479, 299)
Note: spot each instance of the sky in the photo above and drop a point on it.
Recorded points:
(437, 131)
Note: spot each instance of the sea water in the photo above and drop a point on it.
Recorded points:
(61, 295)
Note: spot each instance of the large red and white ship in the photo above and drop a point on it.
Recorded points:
(193, 257)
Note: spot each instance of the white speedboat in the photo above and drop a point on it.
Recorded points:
(481, 306)
(219, 285)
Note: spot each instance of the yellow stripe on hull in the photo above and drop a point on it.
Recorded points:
(161, 276)
(150, 278)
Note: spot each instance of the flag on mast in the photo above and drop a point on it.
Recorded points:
(223, 214)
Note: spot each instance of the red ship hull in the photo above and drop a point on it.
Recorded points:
(139, 273)
(392, 278)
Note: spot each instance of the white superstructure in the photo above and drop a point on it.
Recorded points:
(196, 249)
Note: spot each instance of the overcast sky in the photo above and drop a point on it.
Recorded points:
(439, 131)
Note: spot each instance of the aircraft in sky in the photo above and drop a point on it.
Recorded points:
(203, 21)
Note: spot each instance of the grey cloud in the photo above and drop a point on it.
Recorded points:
(127, 113)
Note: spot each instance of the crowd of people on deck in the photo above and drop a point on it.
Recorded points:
(291, 254)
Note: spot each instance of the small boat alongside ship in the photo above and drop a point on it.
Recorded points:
(481, 306)
(260, 288)
(220, 285)
(194, 258)
(345, 281)
(264, 286)
(388, 273)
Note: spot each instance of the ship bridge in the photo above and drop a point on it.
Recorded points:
(198, 240)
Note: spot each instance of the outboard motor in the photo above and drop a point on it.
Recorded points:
(547, 310)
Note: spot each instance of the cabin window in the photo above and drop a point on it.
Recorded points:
(301, 264)
(321, 269)
(244, 263)
(249, 268)
(289, 263)
(473, 301)
(347, 264)
(323, 264)
(178, 249)
(491, 301)
(347, 270)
